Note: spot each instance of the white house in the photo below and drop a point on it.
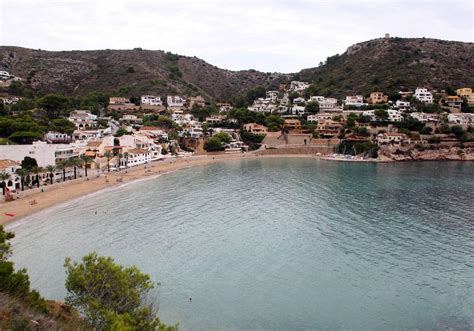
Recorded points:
(328, 104)
(298, 110)
(272, 96)
(299, 101)
(392, 138)
(10, 167)
(317, 98)
(4, 75)
(298, 86)
(394, 115)
(319, 117)
(463, 119)
(10, 100)
(402, 105)
(83, 119)
(175, 101)
(137, 156)
(55, 137)
(425, 117)
(423, 95)
(44, 153)
(354, 100)
(151, 100)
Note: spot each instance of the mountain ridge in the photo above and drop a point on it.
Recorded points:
(388, 64)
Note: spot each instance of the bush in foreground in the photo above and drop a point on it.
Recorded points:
(110, 296)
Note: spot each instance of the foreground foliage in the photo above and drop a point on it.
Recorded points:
(110, 296)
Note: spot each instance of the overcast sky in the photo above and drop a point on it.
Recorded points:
(280, 36)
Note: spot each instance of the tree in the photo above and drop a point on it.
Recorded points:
(110, 296)
(23, 173)
(87, 160)
(29, 163)
(63, 165)
(121, 132)
(274, 122)
(4, 176)
(37, 171)
(53, 104)
(108, 156)
(381, 114)
(17, 282)
(213, 144)
(312, 107)
(223, 136)
(51, 169)
(74, 162)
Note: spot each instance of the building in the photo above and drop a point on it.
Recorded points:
(328, 104)
(83, 119)
(10, 167)
(45, 154)
(402, 105)
(255, 128)
(328, 127)
(175, 101)
(118, 101)
(423, 95)
(318, 117)
(463, 119)
(272, 96)
(298, 109)
(292, 124)
(197, 100)
(453, 103)
(425, 117)
(354, 100)
(392, 138)
(317, 98)
(215, 119)
(150, 100)
(195, 131)
(466, 92)
(55, 137)
(137, 156)
(4, 75)
(378, 97)
(298, 86)
(299, 101)
(10, 100)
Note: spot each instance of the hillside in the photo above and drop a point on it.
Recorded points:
(393, 64)
(388, 64)
(128, 72)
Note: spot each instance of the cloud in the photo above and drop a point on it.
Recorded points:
(265, 35)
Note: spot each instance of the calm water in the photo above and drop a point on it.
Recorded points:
(280, 243)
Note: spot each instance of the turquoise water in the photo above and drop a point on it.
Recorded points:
(280, 243)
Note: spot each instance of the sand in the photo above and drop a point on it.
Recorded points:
(72, 189)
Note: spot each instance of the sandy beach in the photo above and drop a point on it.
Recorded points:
(72, 189)
(65, 191)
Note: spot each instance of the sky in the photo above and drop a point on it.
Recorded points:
(282, 36)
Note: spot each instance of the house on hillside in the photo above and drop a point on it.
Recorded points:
(175, 101)
(150, 100)
(328, 127)
(197, 100)
(354, 100)
(83, 119)
(423, 95)
(392, 138)
(378, 97)
(298, 86)
(466, 92)
(255, 128)
(292, 124)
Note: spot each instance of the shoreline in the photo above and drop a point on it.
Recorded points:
(73, 189)
(70, 190)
